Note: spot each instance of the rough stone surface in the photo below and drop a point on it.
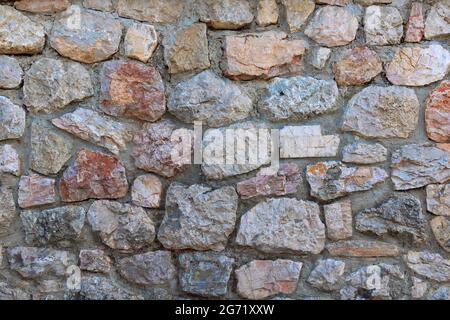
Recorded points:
(283, 224)
(437, 113)
(101, 5)
(11, 76)
(12, 120)
(146, 191)
(226, 14)
(372, 2)
(267, 12)
(140, 41)
(103, 288)
(52, 84)
(151, 268)
(362, 248)
(153, 11)
(441, 231)
(93, 175)
(332, 26)
(399, 214)
(429, 265)
(297, 98)
(341, 3)
(42, 6)
(297, 12)
(338, 218)
(7, 210)
(59, 225)
(417, 165)
(327, 275)
(383, 25)
(36, 190)
(121, 226)
(85, 36)
(205, 274)
(28, 39)
(132, 90)
(438, 199)
(243, 59)
(210, 99)
(419, 288)
(382, 112)
(198, 217)
(437, 25)
(418, 66)
(319, 57)
(9, 160)
(415, 27)
(442, 293)
(332, 179)
(91, 126)
(95, 261)
(358, 66)
(364, 153)
(260, 279)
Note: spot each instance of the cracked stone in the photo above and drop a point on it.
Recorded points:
(437, 113)
(267, 12)
(146, 191)
(327, 275)
(383, 25)
(153, 11)
(226, 14)
(95, 261)
(441, 230)
(140, 41)
(36, 190)
(429, 265)
(12, 73)
(416, 25)
(12, 120)
(438, 199)
(364, 153)
(297, 12)
(9, 160)
(338, 218)
(362, 248)
(437, 25)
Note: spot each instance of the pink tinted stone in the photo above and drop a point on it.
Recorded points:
(415, 27)
(36, 190)
(437, 113)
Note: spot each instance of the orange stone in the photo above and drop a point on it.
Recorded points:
(437, 113)
(42, 6)
(362, 248)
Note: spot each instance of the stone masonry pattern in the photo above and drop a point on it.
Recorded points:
(94, 206)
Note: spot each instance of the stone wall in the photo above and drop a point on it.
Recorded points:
(93, 205)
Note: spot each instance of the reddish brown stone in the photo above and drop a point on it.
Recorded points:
(132, 90)
(36, 190)
(93, 175)
(358, 66)
(42, 6)
(437, 113)
(415, 27)
(362, 248)
(267, 182)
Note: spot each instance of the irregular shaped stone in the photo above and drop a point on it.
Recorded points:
(7, 292)
(101, 5)
(42, 6)
(415, 27)
(7, 209)
(140, 41)
(416, 165)
(252, 150)
(95, 261)
(28, 39)
(261, 55)
(12, 120)
(429, 265)
(307, 142)
(226, 14)
(332, 179)
(373, 282)
(362, 248)
(358, 66)
(156, 145)
(319, 57)
(85, 36)
(103, 288)
(338, 218)
(9, 160)
(419, 288)
(260, 279)
(371, 2)
(187, 49)
(146, 191)
(382, 112)
(11, 76)
(93, 175)
(437, 113)
(298, 98)
(91, 126)
(52, 84)
(205, 274)
(438, 199)
(153, 11)
(441, 231)
(198, 217)
(437, 25)
(121, 226)
(58, 225)
(132, 90)
(36, 190)
(332, 26)
(399, 214)
(283, 224)
(418, 66)
(49, 150)
(297, 12)
(151, 268)
(364, 153)
(35, 263)
(442, 293)
(341, 3)
(383, 25)
(267, 13)
(268, 182)
(327, 275)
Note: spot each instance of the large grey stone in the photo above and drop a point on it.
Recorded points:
(103, 288)
(364, 153)
(7, 209)
(12, 120)
(437, 24)
(226, 14)
(327, 275)
(383, 25)
(429, 265)
(11, 76)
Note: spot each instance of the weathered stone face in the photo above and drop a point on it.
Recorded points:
(7, 210)
(319, 57)
(146, 191)
(103, 288)
(198, 217)
(364, 153)
(140, 41)
(429, 265)
(227, 14)
(101, 5)
(383, 25)
(437, 113)
(362, 248)
(327, 275)
(95, 261)
(283, 224)
(243, 59)
(437, 25)
(11, 76)
(132, 90)
(85, 36)
(338, 217)
(42, 6)
(9, 160)
(297, 12)
(438, 199)
(415, 27)
(153, 11)
(267, 12)
(441, 231)
(36, 190)
(12, 120)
